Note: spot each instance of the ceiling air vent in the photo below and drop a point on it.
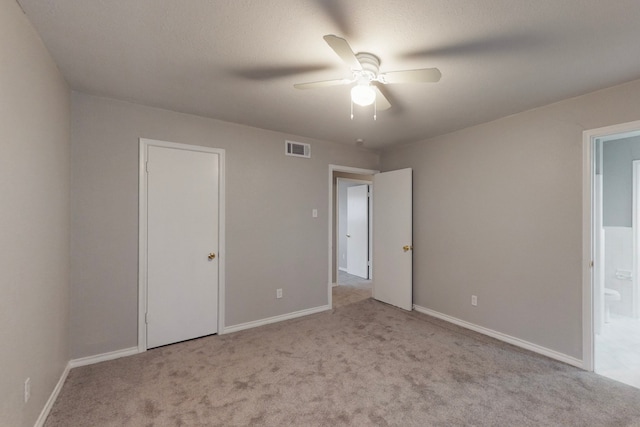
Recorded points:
(297, 149)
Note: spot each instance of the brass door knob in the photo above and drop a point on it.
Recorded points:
(407, 248)
(211, 256)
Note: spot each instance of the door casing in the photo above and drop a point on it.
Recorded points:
(142, 232)
(589, 246)
(332, 223)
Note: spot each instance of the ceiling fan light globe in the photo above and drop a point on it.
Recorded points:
(363, 95)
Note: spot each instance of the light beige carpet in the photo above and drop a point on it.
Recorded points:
(348, 294)
(360, 364)
(345, 278)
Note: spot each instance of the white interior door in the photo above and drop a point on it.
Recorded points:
(392, 238)
(358, 230)
(182, 232)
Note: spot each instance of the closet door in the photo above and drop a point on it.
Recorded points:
(182, 244)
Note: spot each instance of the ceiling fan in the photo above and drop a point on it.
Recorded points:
(365, 69)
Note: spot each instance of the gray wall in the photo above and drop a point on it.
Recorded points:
(498, 214)
(272, 239)
(34, 219)
(617, 184)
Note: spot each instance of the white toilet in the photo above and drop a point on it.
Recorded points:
(610, 295)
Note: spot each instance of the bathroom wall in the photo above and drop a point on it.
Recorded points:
(617, 167)
(618, 157)
(618, 265)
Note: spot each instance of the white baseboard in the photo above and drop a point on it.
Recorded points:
(274, 319)
(504, 337)
(90, 360)
(52, 398)
(342, 269)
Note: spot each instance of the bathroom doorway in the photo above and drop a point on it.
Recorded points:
(616, 256)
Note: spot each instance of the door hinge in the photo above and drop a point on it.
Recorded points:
(591, 264)
(146, 166)
(146, 318)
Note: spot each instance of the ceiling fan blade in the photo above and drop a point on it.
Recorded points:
(324, 83)
(504, 43)
(344, 51)
(411, 76)
(382, 103)
(275, 72)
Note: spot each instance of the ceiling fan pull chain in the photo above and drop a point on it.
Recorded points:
(375, 109)
(351, 109)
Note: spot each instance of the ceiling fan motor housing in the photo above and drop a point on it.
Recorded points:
(370, 66)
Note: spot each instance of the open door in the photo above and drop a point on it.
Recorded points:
(392, 238)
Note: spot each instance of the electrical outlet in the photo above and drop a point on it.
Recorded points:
(27, 390)
(474, 300)
(279, 293)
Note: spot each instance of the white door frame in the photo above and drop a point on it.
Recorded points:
(332, 169)
(588, 217)
(142, 232)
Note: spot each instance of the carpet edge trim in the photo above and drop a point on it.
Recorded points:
(97, 358)
(53, 397)
(275, 319)
(503, 337)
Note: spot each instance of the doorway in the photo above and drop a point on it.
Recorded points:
(353, 228)
(181, 258)
(390, 236)
(613, 305)
(345, 288)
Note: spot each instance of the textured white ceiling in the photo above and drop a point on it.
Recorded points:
(237, 60)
